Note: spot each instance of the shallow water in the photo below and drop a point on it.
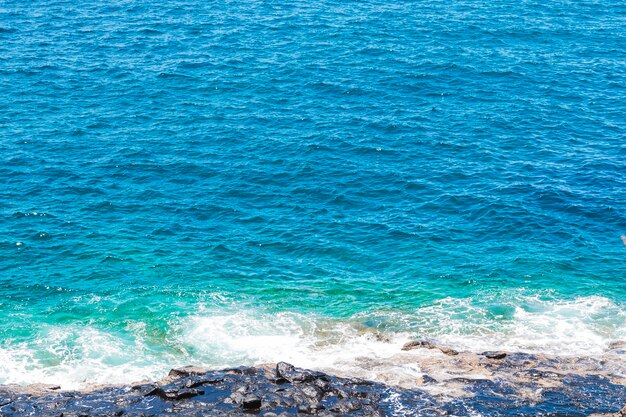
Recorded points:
(246, 182)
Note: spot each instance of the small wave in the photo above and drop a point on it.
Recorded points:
(20, 214)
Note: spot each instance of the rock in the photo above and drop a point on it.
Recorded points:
(341, 394)
(382, 337)
(6, 398)
(187, 371)
(235, 398)
(323, 384)
(290, 373)
(247, 391)
(494, 355)
(310, 408)
(424, 344)
(313, 392)
(618, 344)
(196, 381)
(251, 402)
(428, 379)
(344, 407)
(416, 344)
(242, 370)
(175, 393)
(448, 351)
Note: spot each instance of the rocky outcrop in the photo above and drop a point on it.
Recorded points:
(509, 385)
(282, 391)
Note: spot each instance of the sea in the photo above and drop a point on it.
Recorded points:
(251, 181)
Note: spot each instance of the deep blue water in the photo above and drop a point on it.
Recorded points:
(234, 182)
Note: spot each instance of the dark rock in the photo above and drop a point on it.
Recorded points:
(175, 393)
(310, 408)
(6, 398)
(251, 402)
(186, 371)
(428, 379)
(312, 391)
(344, 407)
(494, 355)
(292, 374)
(196, 381)
(145, 388)
(244, 392)
(235, 398)
(341, 394)
(242, 370)
(323, 384)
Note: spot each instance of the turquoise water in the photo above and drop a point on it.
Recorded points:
(240, 182)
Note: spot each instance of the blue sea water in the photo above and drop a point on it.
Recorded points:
(226, 183)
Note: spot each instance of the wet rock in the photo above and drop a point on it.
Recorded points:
(196, 381)
(344, 407)
(323, 384)
(382, 337)
(175, 393)
(416, 344)
(6, 398)
(313, 392)
(186, 371)
(251, 402)
(424, 344)
(494, 355)
(240, 392)
(449, 351)
(235, 398)
(428, 380)
(310, 408)
(290, 373)
(618, 344)
(341, 394)
(242, 370)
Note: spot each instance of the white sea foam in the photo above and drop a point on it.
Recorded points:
(528, 323)
(74, 356)
(250, 337)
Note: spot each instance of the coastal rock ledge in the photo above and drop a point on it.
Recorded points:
(283, 390)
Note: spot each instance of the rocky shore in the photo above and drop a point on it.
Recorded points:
(451, 384)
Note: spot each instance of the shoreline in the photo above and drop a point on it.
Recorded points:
(449, 382)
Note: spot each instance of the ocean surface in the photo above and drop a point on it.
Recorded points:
(239, 182)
